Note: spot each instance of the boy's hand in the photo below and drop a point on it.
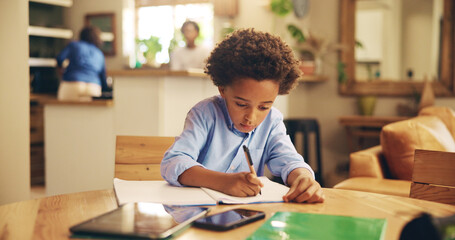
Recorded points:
(303, 188)
(242, 184)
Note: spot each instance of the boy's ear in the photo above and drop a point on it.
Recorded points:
(221, 89)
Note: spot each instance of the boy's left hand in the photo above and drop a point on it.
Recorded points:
(303, 188)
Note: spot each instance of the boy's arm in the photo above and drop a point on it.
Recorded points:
(236, 184)
(303, 187)
(290, 165)
(282, 155)
(183, 154)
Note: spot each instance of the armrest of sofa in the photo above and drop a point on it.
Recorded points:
(384, 186)
(367, 163)
(367, 172)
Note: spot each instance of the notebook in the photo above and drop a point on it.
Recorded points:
(296, 225)
(128, 191)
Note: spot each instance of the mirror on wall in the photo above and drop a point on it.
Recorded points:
(106, 23)
(393, 46)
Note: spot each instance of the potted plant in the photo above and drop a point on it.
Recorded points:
(149, 48)
(312, 49)
(306, 58)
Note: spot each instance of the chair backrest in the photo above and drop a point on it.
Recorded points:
(139, 158)
(433, 176)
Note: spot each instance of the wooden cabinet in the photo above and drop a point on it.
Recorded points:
(36, 123)
(36, 143)
(47, 37)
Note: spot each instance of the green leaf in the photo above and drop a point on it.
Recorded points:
(342, 77)
(153, 46)
(281, 7)
(358, 44)
(296, 33)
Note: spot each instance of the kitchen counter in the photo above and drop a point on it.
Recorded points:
(156, 73)
(46, 98)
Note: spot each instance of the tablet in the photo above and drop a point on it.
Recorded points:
(142, 220)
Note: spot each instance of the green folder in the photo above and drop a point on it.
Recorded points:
(296, 225)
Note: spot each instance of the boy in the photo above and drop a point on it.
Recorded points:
(250, 69)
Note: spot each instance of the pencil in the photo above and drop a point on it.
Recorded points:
(250, 162)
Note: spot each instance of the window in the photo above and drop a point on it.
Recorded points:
(165, 21)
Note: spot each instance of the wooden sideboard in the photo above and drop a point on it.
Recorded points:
(359, 128)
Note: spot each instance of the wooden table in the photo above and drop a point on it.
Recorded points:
(51, 217)
(358, 128)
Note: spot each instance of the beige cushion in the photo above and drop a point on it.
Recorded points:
(400, 139)
(446, 114)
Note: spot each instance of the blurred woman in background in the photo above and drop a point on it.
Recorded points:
(190, 56)
(85, 76)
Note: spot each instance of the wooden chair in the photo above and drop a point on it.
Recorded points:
(139, 158)
(433, 177)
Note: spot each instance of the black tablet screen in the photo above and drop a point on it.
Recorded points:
(141, 219)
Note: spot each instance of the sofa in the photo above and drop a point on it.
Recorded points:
(387, 168)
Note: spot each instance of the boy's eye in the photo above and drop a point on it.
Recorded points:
(240, 104)
(264, 108)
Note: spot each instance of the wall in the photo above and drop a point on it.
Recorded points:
(14, 102)
(392, 41)
(417, 25)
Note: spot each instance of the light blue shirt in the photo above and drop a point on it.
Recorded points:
(209, 139)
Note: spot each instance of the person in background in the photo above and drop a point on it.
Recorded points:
(250, 69)
(85, 76)
(190, 56)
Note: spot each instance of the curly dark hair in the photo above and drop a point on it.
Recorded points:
(248, 53)
(91, 34)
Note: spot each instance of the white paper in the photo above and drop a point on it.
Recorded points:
(159, 192)
(162, 192)
(271, 192)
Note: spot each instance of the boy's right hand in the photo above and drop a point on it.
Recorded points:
(241, 184)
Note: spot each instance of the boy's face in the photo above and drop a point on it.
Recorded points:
(249, 101)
